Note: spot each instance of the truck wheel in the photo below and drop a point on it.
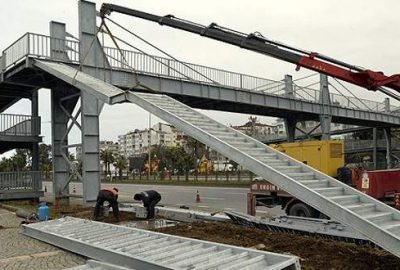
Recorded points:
(301, 210)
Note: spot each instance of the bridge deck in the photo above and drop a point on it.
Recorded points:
(195, 85)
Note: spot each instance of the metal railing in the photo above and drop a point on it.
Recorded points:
(45, 47)
(40, 46)
(366, 144)
(310, 94)
(13, 181)
(167, 67)
(19, 125)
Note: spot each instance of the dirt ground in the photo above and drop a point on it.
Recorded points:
(314, 253)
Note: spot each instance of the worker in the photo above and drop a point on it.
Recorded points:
(150, 198)
(111, 196)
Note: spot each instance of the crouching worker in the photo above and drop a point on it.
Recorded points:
(109, 195)
(150, 198)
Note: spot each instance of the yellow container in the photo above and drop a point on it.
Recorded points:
(326, 156)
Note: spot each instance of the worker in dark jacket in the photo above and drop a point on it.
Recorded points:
(109, 195)
(150, 198)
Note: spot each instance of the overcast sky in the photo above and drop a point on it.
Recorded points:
(362, 32)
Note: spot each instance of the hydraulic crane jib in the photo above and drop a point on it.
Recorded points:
(371, 80)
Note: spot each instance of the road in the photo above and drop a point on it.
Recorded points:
(212, 198)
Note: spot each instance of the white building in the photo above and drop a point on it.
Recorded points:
(138, 141)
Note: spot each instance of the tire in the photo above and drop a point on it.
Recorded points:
(301, 210)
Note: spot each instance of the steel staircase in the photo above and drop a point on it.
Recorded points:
(377, 221)
(372, 218)
(141, 249)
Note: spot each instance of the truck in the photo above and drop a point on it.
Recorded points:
(326, 156)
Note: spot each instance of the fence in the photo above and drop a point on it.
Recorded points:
(366, 144)
(222, 176)
(15, 181)
(19, 125)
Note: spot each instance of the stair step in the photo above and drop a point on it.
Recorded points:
(225, 132)
(392, 226)
(345, 199)
(288, 168)
(302, 175)
(330, 191)
(273, 162)
(315, 183)
(260, 156)
(377, 216)
(361, 207)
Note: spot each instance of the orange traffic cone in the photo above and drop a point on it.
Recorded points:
(198, 200)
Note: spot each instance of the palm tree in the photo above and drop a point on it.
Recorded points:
(121, 163)
(46, 168)
(107, 157)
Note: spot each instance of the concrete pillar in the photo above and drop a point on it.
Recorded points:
(388, 138)
(290, 122)
(374, 147)
(324, 98)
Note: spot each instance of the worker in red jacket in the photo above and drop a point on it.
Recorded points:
(150, 198)
(109, 195)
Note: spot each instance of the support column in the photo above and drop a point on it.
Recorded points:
(35, 124)
(290, 122)
(59, 121)
(374, 147)
(57, 45)
(90, 54)
(387, 105)
(388, 138)
(325, 118)
(90, 147)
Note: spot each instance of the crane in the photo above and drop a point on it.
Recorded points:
(369, 79)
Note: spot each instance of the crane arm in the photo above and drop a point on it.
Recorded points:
(369, 79)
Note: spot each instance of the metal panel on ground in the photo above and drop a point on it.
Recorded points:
(141, 249)
(96, 265)
(327, 229)
(374, 219)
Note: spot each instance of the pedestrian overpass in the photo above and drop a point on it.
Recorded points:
(84, 69)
